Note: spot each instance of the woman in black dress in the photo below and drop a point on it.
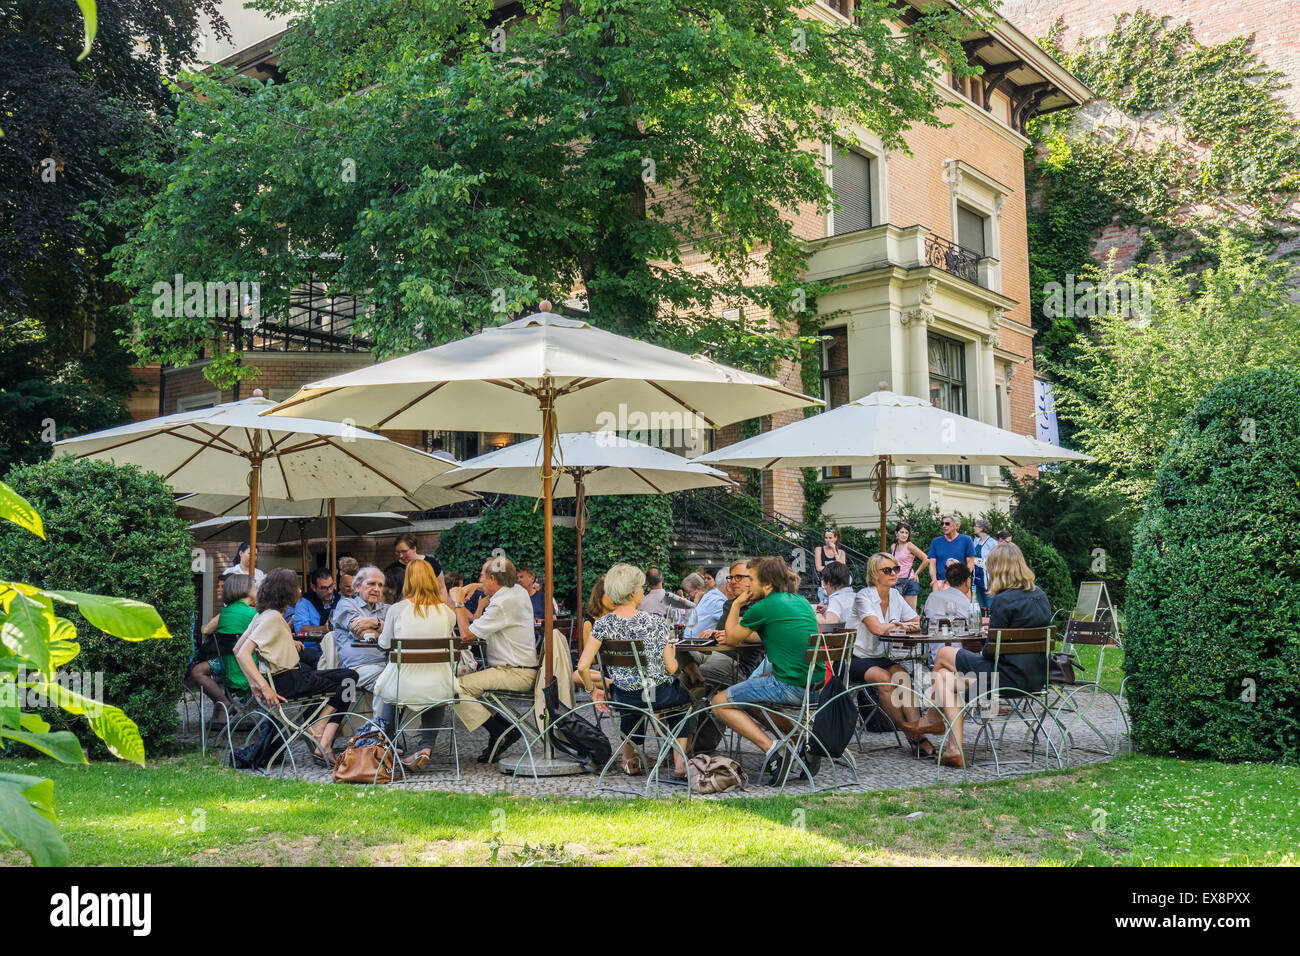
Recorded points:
(1016, 603)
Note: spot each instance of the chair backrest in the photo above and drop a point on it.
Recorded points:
(423, 650)
(621, 653)
(1022, 640)
(830, 647)
(1096, 633)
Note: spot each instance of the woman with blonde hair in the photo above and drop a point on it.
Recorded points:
(422, 614)
(881, 607)
(1016, 603)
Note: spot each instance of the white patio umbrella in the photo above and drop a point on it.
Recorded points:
(589, 463)
(429, 495)
(545, 374)
(229, 449)
(301, 528)
(884, 428)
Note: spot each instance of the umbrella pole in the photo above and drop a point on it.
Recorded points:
(548, 520)
(580, 500)
(255, 480)
(302, 548)
(884, 504)
(334, 542)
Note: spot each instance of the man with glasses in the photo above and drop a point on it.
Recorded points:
(951, 544)
(312, 613)
(723, 670)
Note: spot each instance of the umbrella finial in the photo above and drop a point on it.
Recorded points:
(544, 306)
(882, 386)
(257, 393)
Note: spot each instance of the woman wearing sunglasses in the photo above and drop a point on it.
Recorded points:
(879, 609)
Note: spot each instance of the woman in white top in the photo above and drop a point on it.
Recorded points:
(880, 609)
(241, 564)
(421, 615)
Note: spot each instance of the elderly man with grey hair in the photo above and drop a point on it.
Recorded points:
(505, 622)
(357, 618)
(708, 605)
(951, 544)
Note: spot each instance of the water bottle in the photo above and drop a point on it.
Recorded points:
(976, 618)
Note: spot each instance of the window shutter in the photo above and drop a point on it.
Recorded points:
(851, 179)
(970, 230)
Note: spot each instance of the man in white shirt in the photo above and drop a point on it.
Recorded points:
(505, 622)
(708, 605)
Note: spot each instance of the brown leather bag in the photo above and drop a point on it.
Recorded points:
(368, 759)
(1061, 668)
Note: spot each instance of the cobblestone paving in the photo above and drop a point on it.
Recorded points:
(881, 763)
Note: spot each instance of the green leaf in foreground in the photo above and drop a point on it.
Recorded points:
(62, 745)
(110, 724)
(13, 507)
(122, 617)
(24, 826)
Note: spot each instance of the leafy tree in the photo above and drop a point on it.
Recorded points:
(1136, 377)
(644, 154)
(1212, 644)
(37, 644)
(68, 120)
(111, 529)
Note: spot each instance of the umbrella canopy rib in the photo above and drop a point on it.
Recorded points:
(415, 401)
(685, 404)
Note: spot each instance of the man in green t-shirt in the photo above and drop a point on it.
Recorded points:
(784, 622)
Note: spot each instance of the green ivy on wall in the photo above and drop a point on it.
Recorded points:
(1203, 141)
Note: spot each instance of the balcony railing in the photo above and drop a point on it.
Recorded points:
(952, 258)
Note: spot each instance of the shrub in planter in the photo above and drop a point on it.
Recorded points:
(1212, 642)
(114, 531)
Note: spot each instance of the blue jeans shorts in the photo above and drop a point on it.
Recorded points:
(763, 688)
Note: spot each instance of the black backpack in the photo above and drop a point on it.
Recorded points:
(835, 720)
(257, 752)
(574, 734)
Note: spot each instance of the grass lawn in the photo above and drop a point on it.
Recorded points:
(1139, 810)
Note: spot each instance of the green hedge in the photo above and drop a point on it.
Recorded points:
(632, 528)
(1212, 643)
(111, 530)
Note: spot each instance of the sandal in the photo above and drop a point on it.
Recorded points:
(633, 767)
(920, 754)
(318, 754)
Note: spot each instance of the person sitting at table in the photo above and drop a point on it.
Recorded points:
(773, 609)
(952, 603)
(840, 597)
(240, 596)
(356, 617)
(421, 614)
(311, 615)
(348, 567)
(881, 608)
(394, 577)
(245, 555)
(722, 670)
(598, 606)
(207, 658)
(536, 593)
(707, 613)
(269, 633)
(625, 588)
(505, 622)
(1016, 603)
(655, 593)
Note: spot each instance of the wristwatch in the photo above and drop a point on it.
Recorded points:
(460, 603)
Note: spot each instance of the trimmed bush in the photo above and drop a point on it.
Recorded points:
(1212, 643)
(111, 530)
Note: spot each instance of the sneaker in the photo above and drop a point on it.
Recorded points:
(777, 765)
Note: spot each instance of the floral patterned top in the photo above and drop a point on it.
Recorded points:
(652, 631)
